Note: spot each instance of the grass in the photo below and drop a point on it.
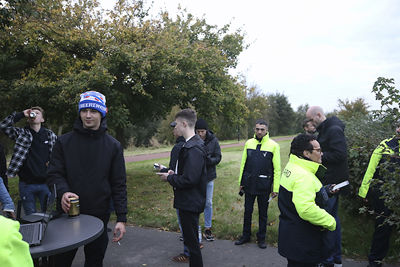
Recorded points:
(150, 204)
(133, 151)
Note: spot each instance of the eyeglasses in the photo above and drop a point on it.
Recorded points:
(317, 149)
(260, 129)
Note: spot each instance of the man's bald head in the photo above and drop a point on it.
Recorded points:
(316, 115)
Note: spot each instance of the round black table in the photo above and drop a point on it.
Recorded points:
(66, 233)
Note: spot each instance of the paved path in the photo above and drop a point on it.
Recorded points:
(153, 247)
(142, 157)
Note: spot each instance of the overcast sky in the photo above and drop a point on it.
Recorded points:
(314, 52)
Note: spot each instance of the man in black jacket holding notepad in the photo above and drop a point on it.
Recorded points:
(189, 182)
(333, 143)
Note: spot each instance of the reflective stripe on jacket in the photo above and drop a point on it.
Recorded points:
(260, 159)
(387, 147)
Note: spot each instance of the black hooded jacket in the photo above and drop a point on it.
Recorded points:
(90, 164)
(213, 155)
(175, 152)
(190, 183)
(334, 147)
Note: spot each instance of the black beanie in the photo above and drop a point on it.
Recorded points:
(201, 124)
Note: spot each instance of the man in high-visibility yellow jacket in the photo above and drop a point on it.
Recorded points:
(260, 172)
(301, 202)
(387, 150)
(14, 252)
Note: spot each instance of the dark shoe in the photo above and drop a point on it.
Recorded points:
(261, 244)
(242, 240)
(375, 264)
(208, 235)
(181, 238)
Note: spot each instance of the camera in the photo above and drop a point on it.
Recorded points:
(241, 192)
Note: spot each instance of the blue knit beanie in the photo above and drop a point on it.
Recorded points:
(93, 100)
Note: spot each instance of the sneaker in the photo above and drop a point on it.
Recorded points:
(181, 238)
(181, 258)
(208, 235)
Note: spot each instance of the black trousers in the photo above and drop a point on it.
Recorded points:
(262, 201)
(381, 237)
(190, 226)
(94, 251)
(292, 263)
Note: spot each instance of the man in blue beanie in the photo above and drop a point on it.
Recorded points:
(88, 164)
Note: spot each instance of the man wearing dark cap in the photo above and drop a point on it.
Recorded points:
(173, 159)
(213, 158)
(88, 164)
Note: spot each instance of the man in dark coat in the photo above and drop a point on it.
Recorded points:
(88, 164)
(260, 172)
(189, 183)
(213, 158)
(334, 147)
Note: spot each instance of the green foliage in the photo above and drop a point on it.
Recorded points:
(51, 51)
(364, 133)
(300, 116)
(280, 115)
(349, 109)
(389, 97)
(257, 104)
(274, 108)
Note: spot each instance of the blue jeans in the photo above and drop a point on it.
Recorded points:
(333, 240)
(208, 208)
(29, 193)
(5, 199)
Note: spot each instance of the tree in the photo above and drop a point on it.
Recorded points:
(58, 49)
(349, 109)
(364, 133)
(280, 115)
(257, 105)
(300, 116)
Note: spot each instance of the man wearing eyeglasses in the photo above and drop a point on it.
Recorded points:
(333, 143)
(260, 172)
(302, 199)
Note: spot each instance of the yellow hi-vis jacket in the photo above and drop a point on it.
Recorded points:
(301, 219)
(260, 166)
(386, 148)
(13, 251)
